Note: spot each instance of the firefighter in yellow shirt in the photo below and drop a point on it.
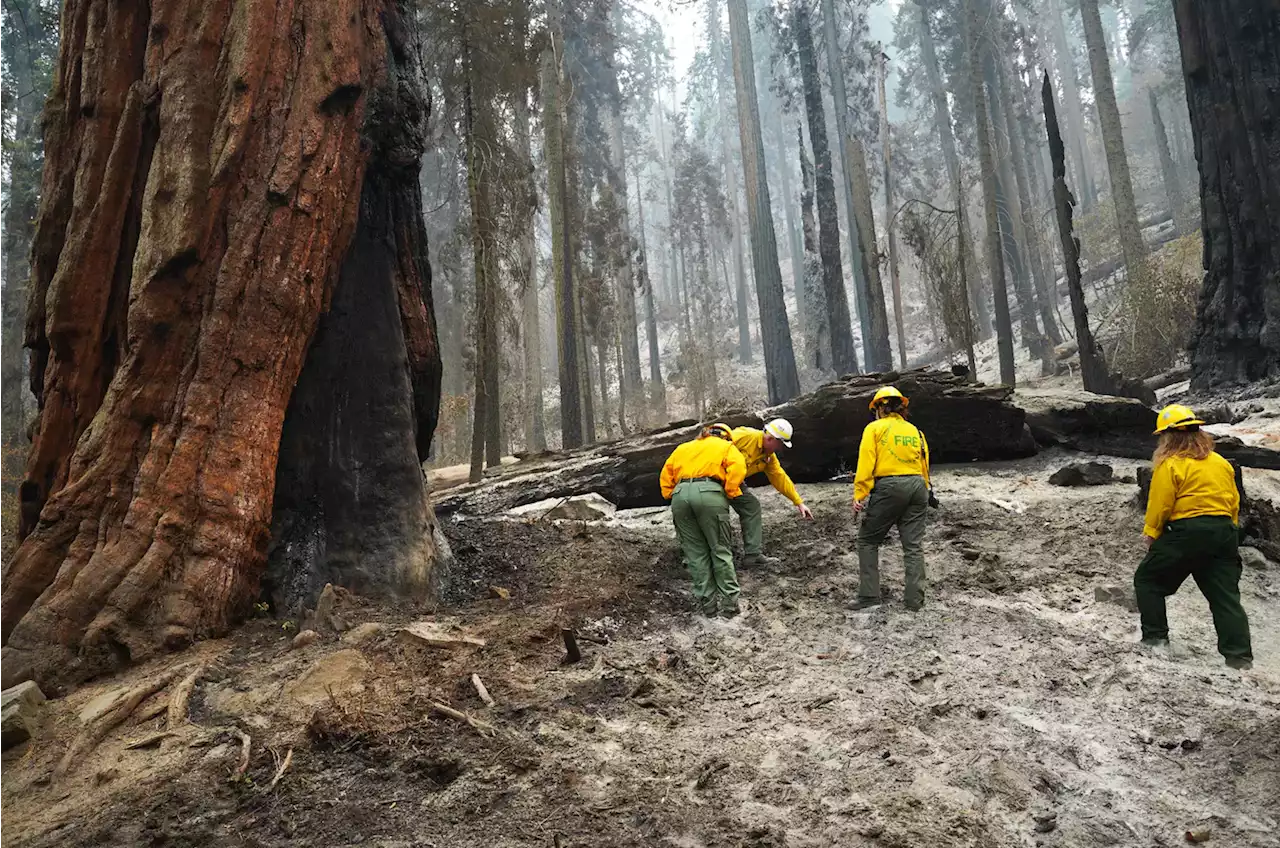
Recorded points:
(892, 488)
(1190, 531)
(759, 450)
(701, 478)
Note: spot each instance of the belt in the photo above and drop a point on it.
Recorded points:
(715, 480)
(895, 476)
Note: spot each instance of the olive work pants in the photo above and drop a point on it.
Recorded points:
(700, 511)
(900, 501)
(1205, 549)
(751, 515)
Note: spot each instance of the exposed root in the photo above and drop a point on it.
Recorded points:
(484, 729)
(92, 735)
(245, 743)
(149, 741)
(281, 769)
(180, 699)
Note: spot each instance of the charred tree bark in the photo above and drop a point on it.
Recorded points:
(1235, 121)
(844, 356)
(1093, 368)
(895, 283)
(775, 331)
(995, 261)
(1168, 171)
(174, 312)
(657, 391)
(535, 431)
(810, 293)
(1104, 95)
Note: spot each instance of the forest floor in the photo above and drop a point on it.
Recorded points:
(1017, 709)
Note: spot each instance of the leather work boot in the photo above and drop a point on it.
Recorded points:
(1239, 663)
(1156, 643)
(865, 603)
(914, 606)
(760, 561)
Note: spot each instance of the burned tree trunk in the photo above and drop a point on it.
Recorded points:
(1093, 369)
(244, 181)
(1235, 121)
(809, 292)
(880, 354)
(1168, 171)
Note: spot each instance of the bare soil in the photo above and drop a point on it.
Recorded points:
(1015, 710)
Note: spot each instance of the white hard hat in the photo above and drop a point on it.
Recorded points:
(780, 429)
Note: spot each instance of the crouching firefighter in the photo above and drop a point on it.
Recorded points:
(891, 488)
(1190, 531)
(700, 478)
(759, 450)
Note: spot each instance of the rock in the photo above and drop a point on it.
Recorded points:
(362, 633)
(1254, 558)
(1082, 474)
(433, 634)
(1121, 596)
(1144, 485)
(588, 507)
(22, 705)
(324, 617)
(340, 673)
(499, 593)
(1084, 421)
(1046, 822)
(304, 639)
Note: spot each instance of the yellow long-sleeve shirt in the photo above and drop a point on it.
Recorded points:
(1185, 487)
(709, 457)
(750, 442)
(891, 446)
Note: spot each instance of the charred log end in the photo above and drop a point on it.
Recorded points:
(342, 100)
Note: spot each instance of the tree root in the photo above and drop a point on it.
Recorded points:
(483, 728)
(92, 735)
(281, 768)
(180, 698)
(245, 743)
(481, 690)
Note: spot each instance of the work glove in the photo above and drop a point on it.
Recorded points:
(933, 500)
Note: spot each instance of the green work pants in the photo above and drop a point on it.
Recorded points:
(1203, 548)
(700, 511)
(750, 514)
(900, 501)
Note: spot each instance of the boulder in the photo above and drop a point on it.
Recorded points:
(1144, 485)
(1074, 418)
(304, 639)
(21, 705)
(1082, 474)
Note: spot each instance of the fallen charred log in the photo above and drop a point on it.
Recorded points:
(963, 421)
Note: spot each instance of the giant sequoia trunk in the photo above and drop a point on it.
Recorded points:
(250, 166)
(839, 330)
(1235, 120)
(810, 295)
(775, 331)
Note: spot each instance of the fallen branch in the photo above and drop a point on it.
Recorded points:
(92, 735)
(284, 766)
(180, 699)
(458, 715)
(481, 690)
(245, 743)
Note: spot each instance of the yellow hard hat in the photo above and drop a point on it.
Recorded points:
(1175, 417)
(720, 430)
(886, 393)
